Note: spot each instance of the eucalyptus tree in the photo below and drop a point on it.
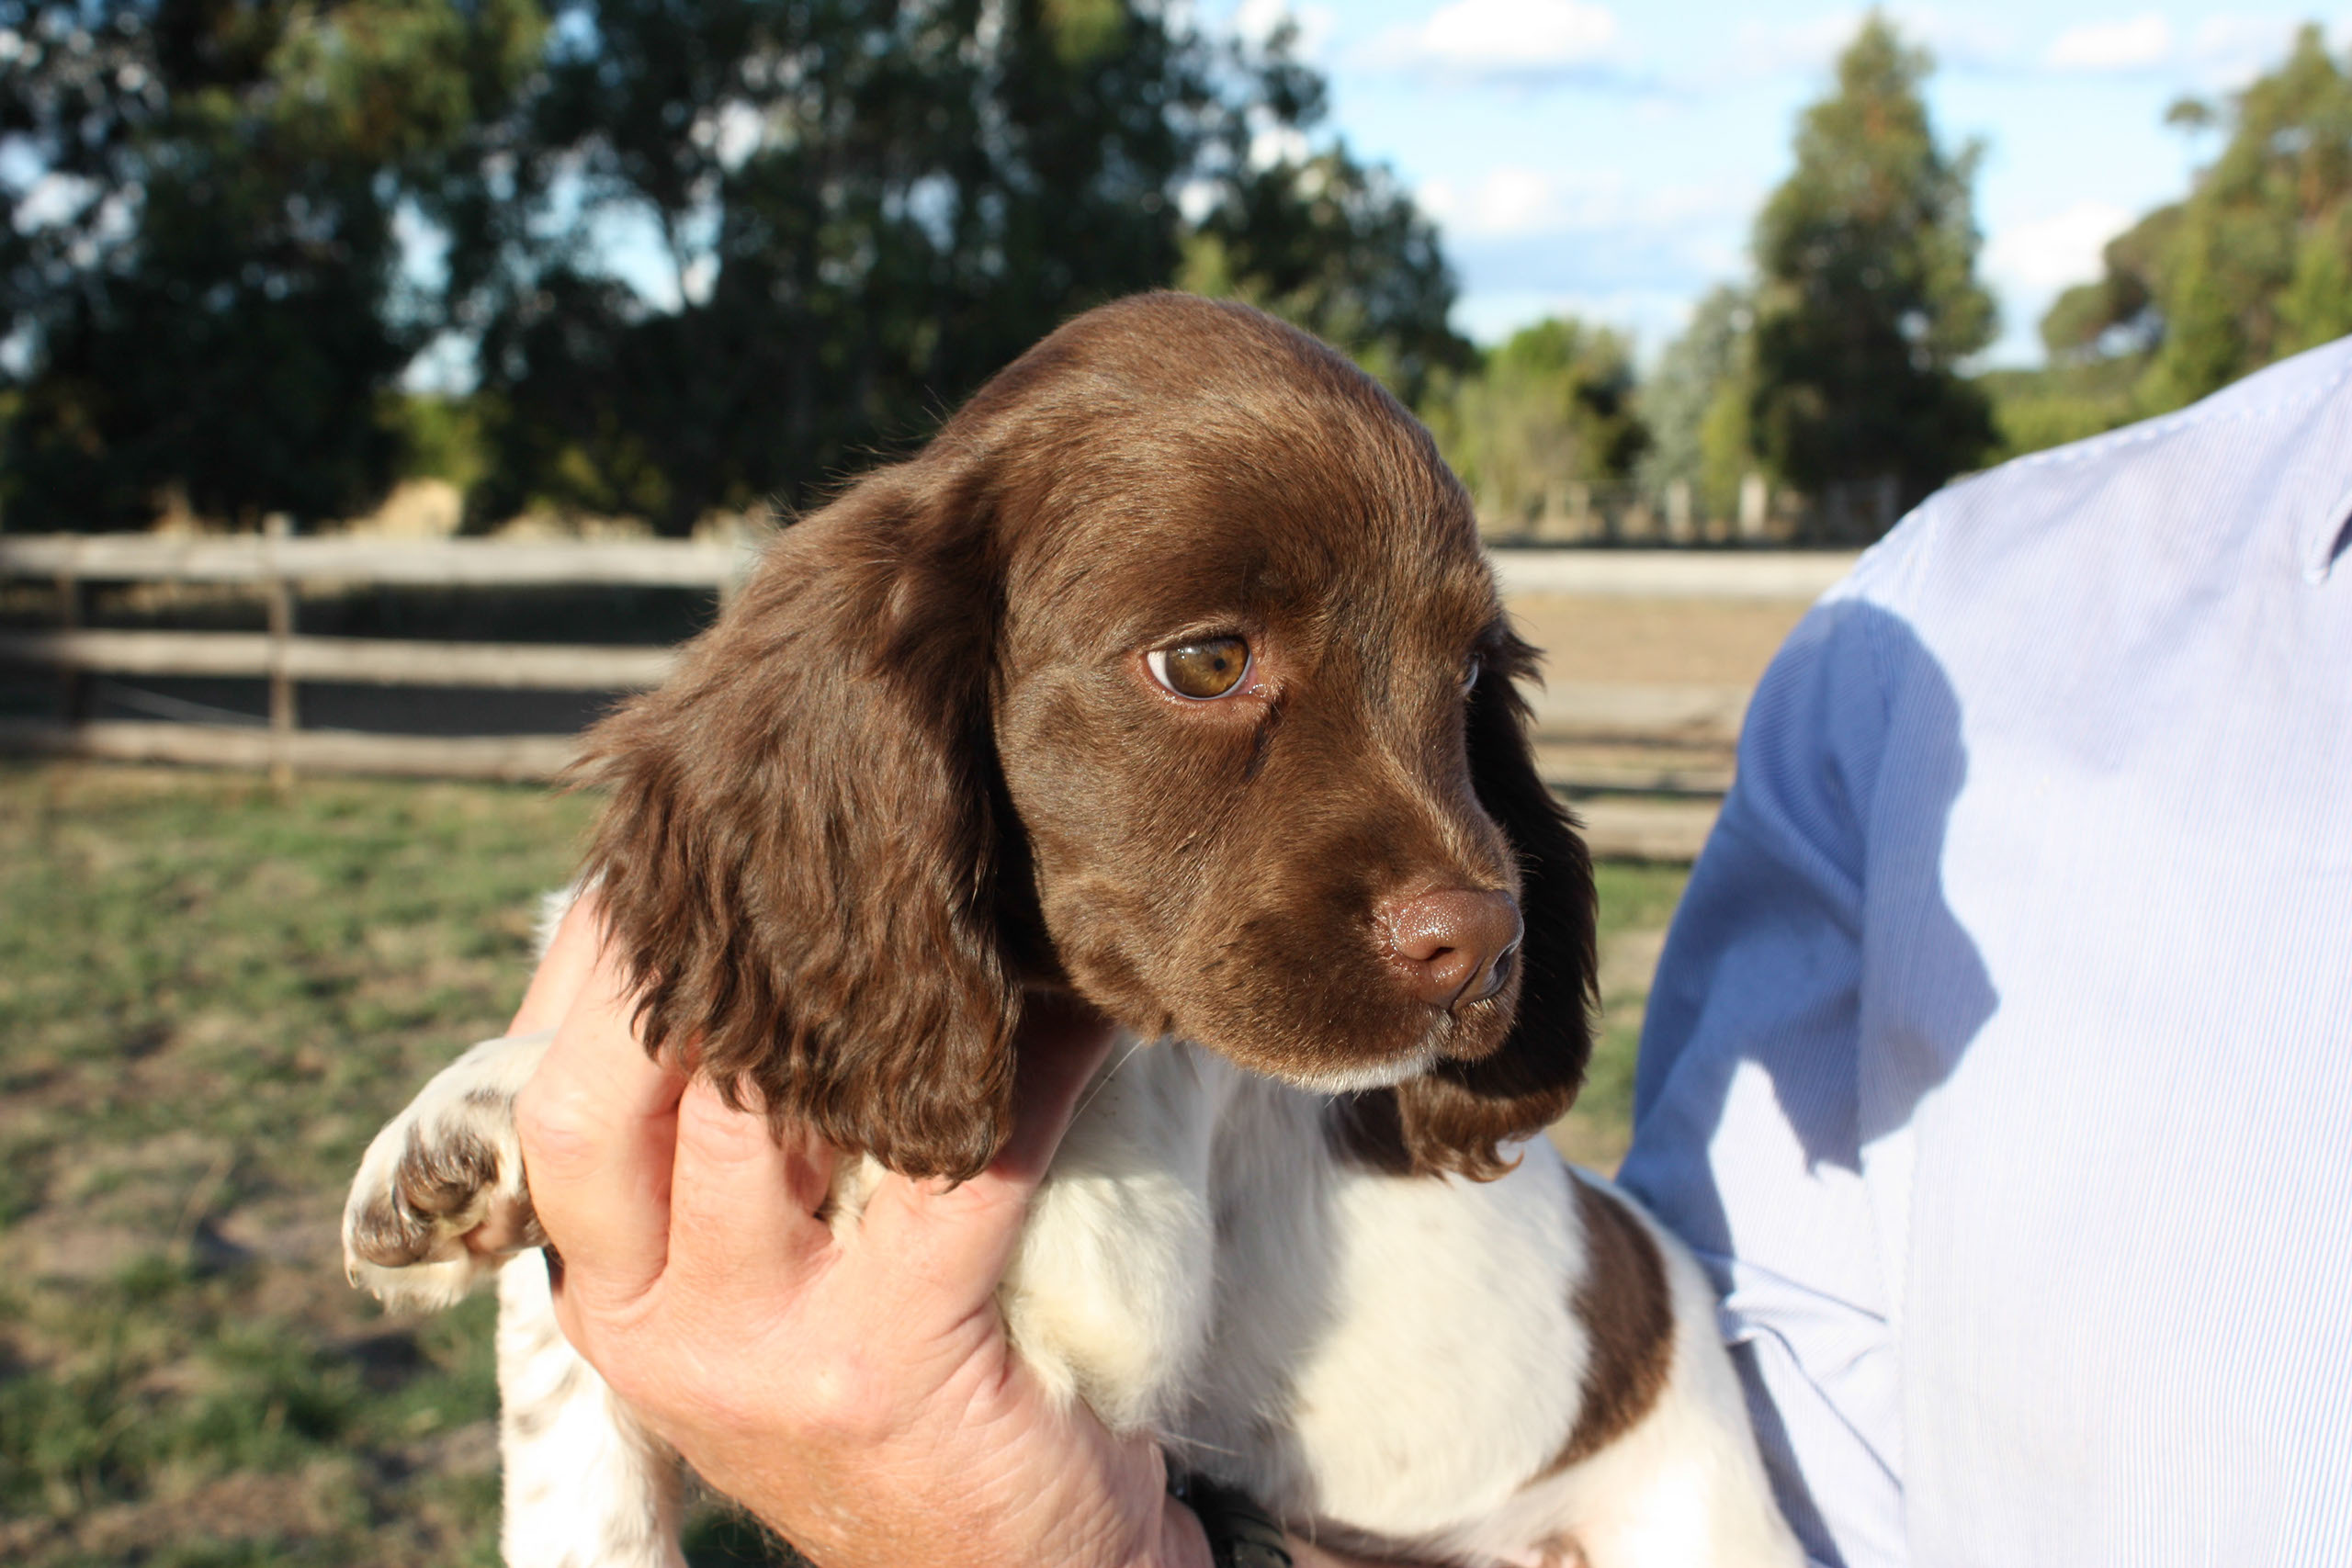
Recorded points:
(860, 210)
(1868, 300)
(204, 274)
(2253, 265)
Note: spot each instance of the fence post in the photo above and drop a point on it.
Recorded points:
(1755, 505)
(1678, 511)
(74, 686)
(279, 594)
(1577, 501)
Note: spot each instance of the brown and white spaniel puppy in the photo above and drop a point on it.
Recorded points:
(1170, 674)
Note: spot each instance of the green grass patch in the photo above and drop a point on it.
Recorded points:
(1636, 902)
(211, 994)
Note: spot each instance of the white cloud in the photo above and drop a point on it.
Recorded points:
(1514, 34)
(2231, 49)
(1503, 39)
(2134, 44)
(2045, 255)
(1648, 316)
(1770, 49)
(1505, 201)
(1765, 49)
(1511, 201)
(1957, 37)
(1254, 21)
(1532, 242)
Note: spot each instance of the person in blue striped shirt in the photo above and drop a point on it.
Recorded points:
(1999, 1064)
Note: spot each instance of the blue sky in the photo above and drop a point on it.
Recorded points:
(1606, 158)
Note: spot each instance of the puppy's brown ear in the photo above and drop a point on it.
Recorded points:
(1451, 1118)
(800, 856)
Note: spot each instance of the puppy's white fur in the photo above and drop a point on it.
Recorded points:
(1390, 1362)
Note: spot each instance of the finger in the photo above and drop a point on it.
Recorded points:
(961, 1237)
(563, 969)
(743, 1205)
(598, 1123)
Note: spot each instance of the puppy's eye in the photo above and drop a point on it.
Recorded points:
(1212, 666)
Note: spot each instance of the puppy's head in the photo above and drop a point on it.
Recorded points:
(1170, 671)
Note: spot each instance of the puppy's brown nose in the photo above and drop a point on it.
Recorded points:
(1454, 946)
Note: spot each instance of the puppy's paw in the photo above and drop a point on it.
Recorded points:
(440, 1202)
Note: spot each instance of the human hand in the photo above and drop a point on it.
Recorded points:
(858, 1396)
(855, 1393)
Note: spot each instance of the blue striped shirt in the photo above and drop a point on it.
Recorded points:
(1999, 1065)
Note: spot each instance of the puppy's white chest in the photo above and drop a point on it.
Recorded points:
(1395, 1352)
(1111, 1295)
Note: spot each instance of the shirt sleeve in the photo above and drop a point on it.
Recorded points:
(1745, 1104)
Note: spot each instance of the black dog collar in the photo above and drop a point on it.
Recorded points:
(1241, 1534)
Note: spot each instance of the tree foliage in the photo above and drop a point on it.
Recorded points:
(1335, 247)
(1696, 403)
(1868, 299)
(2255, 265)
(864, 210)
(1549, 407)
(203, 278)
(849, 212)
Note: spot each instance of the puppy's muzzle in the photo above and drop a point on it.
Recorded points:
(1454, 947)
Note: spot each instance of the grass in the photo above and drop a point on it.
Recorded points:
(211, 994)
(1636, 901)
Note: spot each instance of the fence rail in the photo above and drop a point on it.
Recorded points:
(419, 563)
(661, 563)
(1607, 742)
(505, 666)
(513, 758)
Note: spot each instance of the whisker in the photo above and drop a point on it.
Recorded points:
(1104, 1081)
(1196, 1444)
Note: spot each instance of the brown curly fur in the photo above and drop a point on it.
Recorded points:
(917, 765)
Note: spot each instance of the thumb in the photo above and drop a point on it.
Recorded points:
(965, 1232)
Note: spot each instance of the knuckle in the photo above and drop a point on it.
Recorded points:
(843, 1401)
(719, 1133)
(983, 1200)
(559, 1128)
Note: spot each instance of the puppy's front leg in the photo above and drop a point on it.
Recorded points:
(440, 1201)
(585, 1486)
(439, 1205)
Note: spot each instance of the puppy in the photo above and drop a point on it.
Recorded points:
(1170, 674)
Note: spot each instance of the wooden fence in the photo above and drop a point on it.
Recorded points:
(1604, 742)
(1845, 513)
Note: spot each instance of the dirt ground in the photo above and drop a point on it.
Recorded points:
(211, 993)
(1723, 642)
